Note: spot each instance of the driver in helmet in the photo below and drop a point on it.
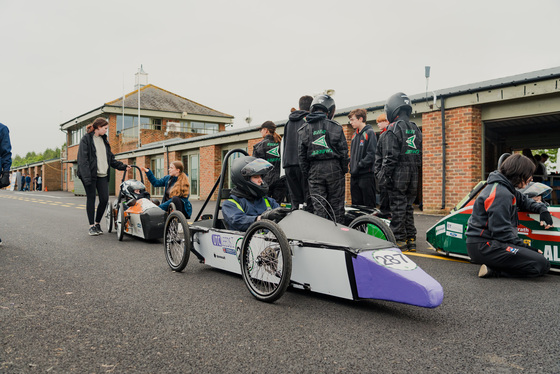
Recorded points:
(323, 158)
(248, 201)
(401, 160)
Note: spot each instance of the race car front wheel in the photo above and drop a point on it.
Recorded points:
(177, 241)
(374, 226)
(109, 216)
(266, 261)
(120, 222)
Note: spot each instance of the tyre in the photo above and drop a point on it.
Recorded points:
(266, 261)
(374, 226)
(109, 216)
(120, 222)
(177, 241)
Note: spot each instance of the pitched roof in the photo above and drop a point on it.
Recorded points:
(155, 98)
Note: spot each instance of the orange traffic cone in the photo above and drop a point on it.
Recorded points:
(46, 189)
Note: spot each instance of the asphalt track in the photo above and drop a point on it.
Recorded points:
(70, 303)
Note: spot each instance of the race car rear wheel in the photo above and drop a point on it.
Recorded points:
(177, 241)
(120, 222)
(109, 216)
(266, 261)
(374, 226)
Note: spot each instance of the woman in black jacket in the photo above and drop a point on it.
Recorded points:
(94, 159)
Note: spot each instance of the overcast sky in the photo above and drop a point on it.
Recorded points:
(61, 59)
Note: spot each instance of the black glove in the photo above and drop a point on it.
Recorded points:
(275, 214)
(547, 218)
(4, 180)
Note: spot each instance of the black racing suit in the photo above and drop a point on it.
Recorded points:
(492, 237)
(269, 150)
(384, 204)
(362, 158)
(323, 158)
(297, 185)
(402, 156)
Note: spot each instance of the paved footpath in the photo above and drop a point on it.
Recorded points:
(71, 303)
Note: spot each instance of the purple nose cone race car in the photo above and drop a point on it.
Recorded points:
(304, 251)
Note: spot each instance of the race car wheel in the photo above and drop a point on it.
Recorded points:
(177, 241)
(109, 216)
(374, 226)
(266, 261)
(120, 222)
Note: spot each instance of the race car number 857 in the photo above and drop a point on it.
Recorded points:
(393, 260)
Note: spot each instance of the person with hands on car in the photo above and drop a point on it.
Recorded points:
(248, 201)
(94, 160)
(492, 236)
(177, 188)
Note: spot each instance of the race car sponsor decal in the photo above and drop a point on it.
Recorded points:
(551, 253)
(440, 229)
(457, 235)
(454, 227)
(393, 260)
(226, 243)
(523, 230)
(512, 250)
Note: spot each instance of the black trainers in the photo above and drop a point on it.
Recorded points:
(486, 272)
(411, 244)
(98, 228)
(402, 245)
(93, 231)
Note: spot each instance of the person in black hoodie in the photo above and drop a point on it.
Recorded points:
(297, 186)
(362, 158)
(269, 149)
(492, 237)
(94, 159)
(323, 158)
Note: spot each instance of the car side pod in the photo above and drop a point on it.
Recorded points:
(387, 274)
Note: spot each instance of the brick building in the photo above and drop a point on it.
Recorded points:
(480, 122)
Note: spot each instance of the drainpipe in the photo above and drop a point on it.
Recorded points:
(443, 152)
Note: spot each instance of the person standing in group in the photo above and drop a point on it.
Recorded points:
(22, 186)
(384, 205)
(402, 158)
(492, 237)
(35, 184)
(176, 188)
(5, 157)
(297, 185)
(94, 160)
(39, 183)
(362, 158)
(323, 158)
(28, 182)
(269, 149)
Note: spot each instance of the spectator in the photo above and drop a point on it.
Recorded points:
(384, 205)
(297, 185)
(94, 160)
(248, 202)
(35, 183)
(323, 158)
(362, 158)
(39, 183)
(5, 157)
(176, 188)
(544, 158)
(28, 182)
(269, 149)
(539, 171)
(22, 187)
(402, 157)
(492, 237)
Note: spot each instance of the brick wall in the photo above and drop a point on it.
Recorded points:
(463, 127)
(52, 175)
(210, 168)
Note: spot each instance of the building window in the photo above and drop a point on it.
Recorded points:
(155, 124)
(159, 172)
(227, 181)
(128, 126)
(76, 135)
(197, 127)
(191, 164)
